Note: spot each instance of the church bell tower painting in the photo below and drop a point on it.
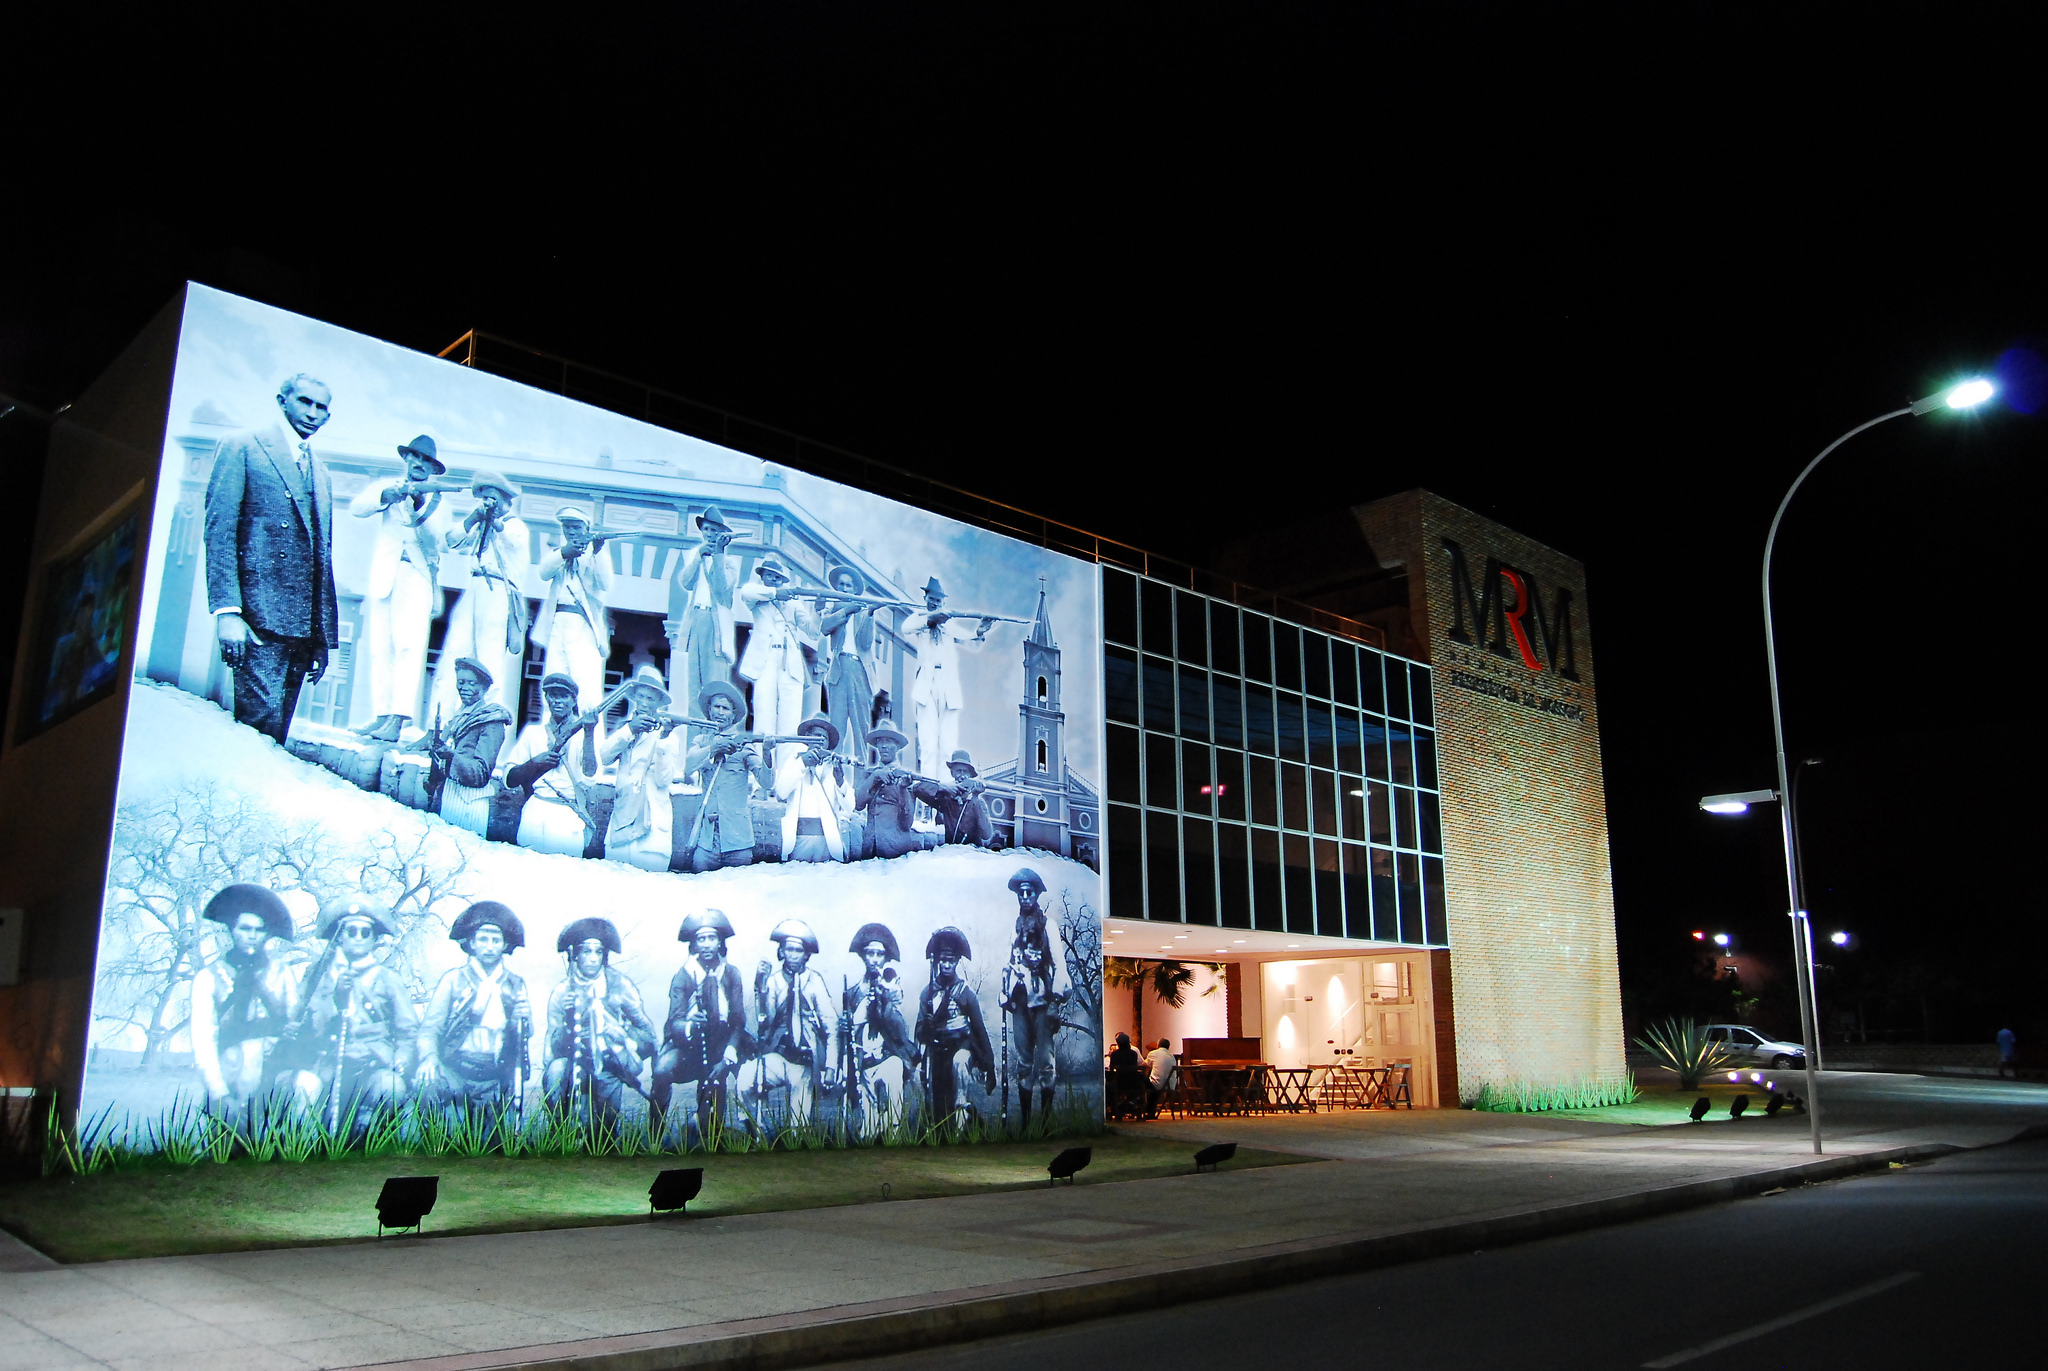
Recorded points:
(1034, 801)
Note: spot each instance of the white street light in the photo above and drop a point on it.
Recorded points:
(1737, 803)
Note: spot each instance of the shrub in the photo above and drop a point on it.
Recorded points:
(1523, 1097)
(1682, 1046)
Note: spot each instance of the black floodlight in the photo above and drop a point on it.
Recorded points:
(1067, 1163)
(1773, 1105)
(1737, 1105)
(1700, 1107)
(674, 1189)
(405, 1201)
(1213, 1155)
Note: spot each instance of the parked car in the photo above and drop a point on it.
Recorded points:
(1751, 1048)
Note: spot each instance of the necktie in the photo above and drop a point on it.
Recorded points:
(306, 460)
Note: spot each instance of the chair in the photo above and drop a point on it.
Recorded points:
(1395, 1092)
(1126, 1093)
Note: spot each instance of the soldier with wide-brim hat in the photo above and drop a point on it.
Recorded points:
(960, 758)
(886, 731)
(489, 912)
(359, 1019)
(722, 690)
(933, 590)
(642, 828)
(876, 933)
(587, 928)
(491, 480)
(771, 565)
(423, 448)
(1027, 879)
(820, 723)
(647, 681)
(344, 907)
(233, 901)
(950, 1028)
(713, 517)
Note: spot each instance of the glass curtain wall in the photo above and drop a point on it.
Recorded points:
(1263, 775)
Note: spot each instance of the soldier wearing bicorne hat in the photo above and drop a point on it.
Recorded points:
(951, 1038)
(598, 1033)
(555, 762)
(573, 623)
(474, 1035)
(793, 1027)
(488, 622)
(876, 1046)
(642, 831)
(401, 595)
(359, 1027)
(707, 1033)
(242, 1000)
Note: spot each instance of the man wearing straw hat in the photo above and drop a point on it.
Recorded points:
(473, 1038)
(937, 694)
(642, 831)
(887, 792)
(467, 751)
(818, 802)
(774, 659)
(703, 605)
(722, 762)
(573, 626)
(242, 1001)
(488, 622)
(400, 594)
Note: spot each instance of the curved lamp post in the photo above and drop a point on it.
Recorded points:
(1967, 395)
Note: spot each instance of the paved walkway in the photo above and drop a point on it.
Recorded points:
(661, 1293)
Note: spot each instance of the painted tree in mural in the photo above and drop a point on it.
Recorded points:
(1079, 1036)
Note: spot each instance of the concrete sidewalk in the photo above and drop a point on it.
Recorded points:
(817, 1285)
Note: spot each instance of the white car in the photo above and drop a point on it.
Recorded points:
(1751, 1048)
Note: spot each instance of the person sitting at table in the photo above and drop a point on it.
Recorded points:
(1159, 1064)
(1126, 1080)
(1123, 1057)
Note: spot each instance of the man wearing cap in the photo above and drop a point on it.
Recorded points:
(597, 1032)
(1029, 998)
(488, 622)
(242, 1001)
(793, 1027)
(359, 1023)
(473, 1038)
(642, 831)
(706, 1034)
(951, 1037)
(936, 694)
(573, 624)
(960, 806)
(401, 593)
(774, 659)
(703, 605)
(554, 761)
(270, 558)
(467, 751)
(886, 791)
(818, 802)
(723, 832)
(848, 628)
(875, 1047)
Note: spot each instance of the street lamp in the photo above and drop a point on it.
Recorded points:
(1966, 395)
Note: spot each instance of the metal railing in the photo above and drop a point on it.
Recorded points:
(665, 409)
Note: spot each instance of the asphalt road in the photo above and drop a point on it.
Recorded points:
(1933, 1265)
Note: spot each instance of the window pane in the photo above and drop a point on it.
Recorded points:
(1343, 672)
(1195, 783)
(1315, 665)
(1233, 877)
(1228, 694)
(1286, 656)
(1162, 867)
(1222, 636)
(1329, 891)
(1425, 758)
(1124, 764)
(1159, 692)
(1258, 720)
(1350, 742)
(1300, 890)
(1357, 892)
(1323, 798)
(1266, 909)
(1294, 796)
(1322, 738)
(1198, 866)
(1409, 878)
(1431, 809)
(1155, 605)
(1126, 864)
(1229, 783)
(1372, 697)
(1400, 757)
(1194, 703)
(1433, 922)
(1120, 685)
(1351, 805)
(1260, 789)
(1290, 725)
(1378, 812)
(1161, 786)
(1386, 910)
(1418, 692)
(1192, 613)
(1258, 647)
(1404, 816)
(1397, 690)
(1119, 606)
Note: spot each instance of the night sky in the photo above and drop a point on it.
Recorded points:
(1185, 274)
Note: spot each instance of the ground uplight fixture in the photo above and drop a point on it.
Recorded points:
(1736, 803)
(405, 1202)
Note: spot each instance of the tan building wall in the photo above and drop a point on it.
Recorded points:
(1530, 892)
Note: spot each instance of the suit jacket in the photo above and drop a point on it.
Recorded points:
(721, 572)
(270, 538)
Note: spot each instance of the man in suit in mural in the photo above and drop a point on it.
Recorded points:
(574, 625)
(706, 583)
(849, 632)
(401, 595)
(270, 558)
(774, 660)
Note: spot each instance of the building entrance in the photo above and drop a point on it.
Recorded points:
(1373, 1010)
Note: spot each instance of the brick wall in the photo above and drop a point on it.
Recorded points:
(1530, 895)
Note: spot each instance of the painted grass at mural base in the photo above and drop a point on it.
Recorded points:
(157, 1209)
(1522, 1097)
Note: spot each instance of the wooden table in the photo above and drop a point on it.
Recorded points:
(1341, 1086)
(1218, 1087)
(1288, 1088)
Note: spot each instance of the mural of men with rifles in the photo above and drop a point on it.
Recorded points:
(951, 1038)
(793, 1028)
(242, 1001)
(706, 1035)
(937, 694)
(597, 1032)
(488, 622)
(723, 832)
(466, 754)
(564, 811)
(351, 1048)
(400, 595)
(875, 1045)
(474, 1037)
(1030, 1003)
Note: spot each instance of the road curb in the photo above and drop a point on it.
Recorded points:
(901, 1325)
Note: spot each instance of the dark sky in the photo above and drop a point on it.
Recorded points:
(1179, 274)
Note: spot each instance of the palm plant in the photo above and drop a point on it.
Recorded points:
(1682, 1045)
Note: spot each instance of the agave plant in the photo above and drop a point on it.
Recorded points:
(1682, 1045)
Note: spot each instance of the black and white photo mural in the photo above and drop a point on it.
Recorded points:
(492, 750)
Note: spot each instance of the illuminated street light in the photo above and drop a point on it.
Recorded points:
(1839, 939)
(1737, 803)
(1720, 940)
(1963, 395)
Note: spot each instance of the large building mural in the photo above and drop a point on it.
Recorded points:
(495, 747)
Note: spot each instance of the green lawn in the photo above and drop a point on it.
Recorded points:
(161, 1210)
(1667, 1104)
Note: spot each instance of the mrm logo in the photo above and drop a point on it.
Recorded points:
(1508, 605)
